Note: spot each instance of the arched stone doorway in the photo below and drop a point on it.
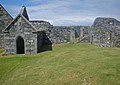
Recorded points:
(20, 45)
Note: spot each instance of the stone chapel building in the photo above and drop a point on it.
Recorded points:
(21, 37)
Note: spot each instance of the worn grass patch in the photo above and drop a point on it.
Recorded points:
(67, 64)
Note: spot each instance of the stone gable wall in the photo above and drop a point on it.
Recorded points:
(5, 19)
(23, 30)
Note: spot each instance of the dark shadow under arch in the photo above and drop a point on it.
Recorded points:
(20, 45)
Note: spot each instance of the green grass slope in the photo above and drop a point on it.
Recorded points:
(67, 64)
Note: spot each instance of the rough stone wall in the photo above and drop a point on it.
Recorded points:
(5, 19)
(117, 37)
(23, 29)
(57, 34)
(105, 32)
(72, 34)
(9, 40)
(31, 43)
(41, 25)
(100, 37)
(84, 34)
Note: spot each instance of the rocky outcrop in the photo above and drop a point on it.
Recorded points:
(105, 22)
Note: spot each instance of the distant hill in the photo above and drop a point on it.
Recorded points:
(105, 22)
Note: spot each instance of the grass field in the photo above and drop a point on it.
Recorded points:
(67, 64)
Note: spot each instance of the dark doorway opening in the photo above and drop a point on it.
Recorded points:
(20, 45)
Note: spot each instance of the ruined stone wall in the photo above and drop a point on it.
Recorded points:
(117, 37)
(100, 37)
(85, 34)
(57, 34)
(10, 44)
(105, 32)
(5, 19)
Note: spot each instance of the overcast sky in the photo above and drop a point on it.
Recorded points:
(65, 12)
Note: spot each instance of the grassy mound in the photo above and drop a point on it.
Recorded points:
(67, 64)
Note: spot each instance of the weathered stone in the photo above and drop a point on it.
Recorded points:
(5, 19)
(21, 36)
